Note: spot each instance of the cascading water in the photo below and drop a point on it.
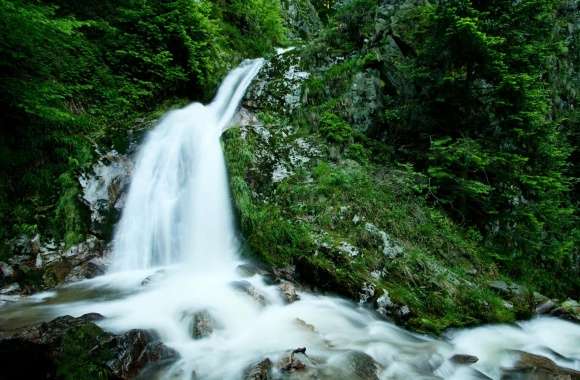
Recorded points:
(177, 233)
(178, 207)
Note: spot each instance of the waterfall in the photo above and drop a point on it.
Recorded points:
(176, 271)
(178, 207)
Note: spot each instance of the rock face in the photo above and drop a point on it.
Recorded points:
(40, 264)
(76, 348)
(278, 86)
(535, 367)
(104, 189)
(301, 18)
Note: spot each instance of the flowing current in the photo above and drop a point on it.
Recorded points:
(176, 262)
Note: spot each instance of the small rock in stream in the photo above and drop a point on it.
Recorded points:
(288, 291)
(202, 325)
(249, 289)
(259, 371)
(464, 359)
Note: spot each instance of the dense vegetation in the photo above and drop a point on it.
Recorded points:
(480, 97)
(78, 75)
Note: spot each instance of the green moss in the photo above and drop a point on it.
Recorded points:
(81, 357)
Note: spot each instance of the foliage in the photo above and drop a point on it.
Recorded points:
(473, 98)
(77, 75)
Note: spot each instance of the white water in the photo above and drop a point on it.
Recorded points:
(177, 228)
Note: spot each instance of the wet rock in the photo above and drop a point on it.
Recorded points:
(78, 347)
(158, 275)
(56, 273)
(259, 371)
(135, 350)
(285, 273)
(84, 251)
(53, 265)
(545, 307)
(249, 289)
(356, 365)
(25, 245)
(536, 367)
(90, 269)
(288, 291)
(11, 289)
(463, 359)
(569, 309)
(295, 360)
(248, 270)
(201, 325)
(304, 325)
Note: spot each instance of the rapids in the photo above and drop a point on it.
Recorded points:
(177, 231)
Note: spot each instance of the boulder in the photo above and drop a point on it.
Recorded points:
(545, 307)
(134, 351)
(356, 365)
(569, 309)
(536, 367)
(79, 348)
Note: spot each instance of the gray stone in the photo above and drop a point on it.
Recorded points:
(357, 365)
(391, 248)
(464, 359)
(201, 325)
(301, 18)
(545, 307)
(104, 186)
(288, 291)
(249, 289)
